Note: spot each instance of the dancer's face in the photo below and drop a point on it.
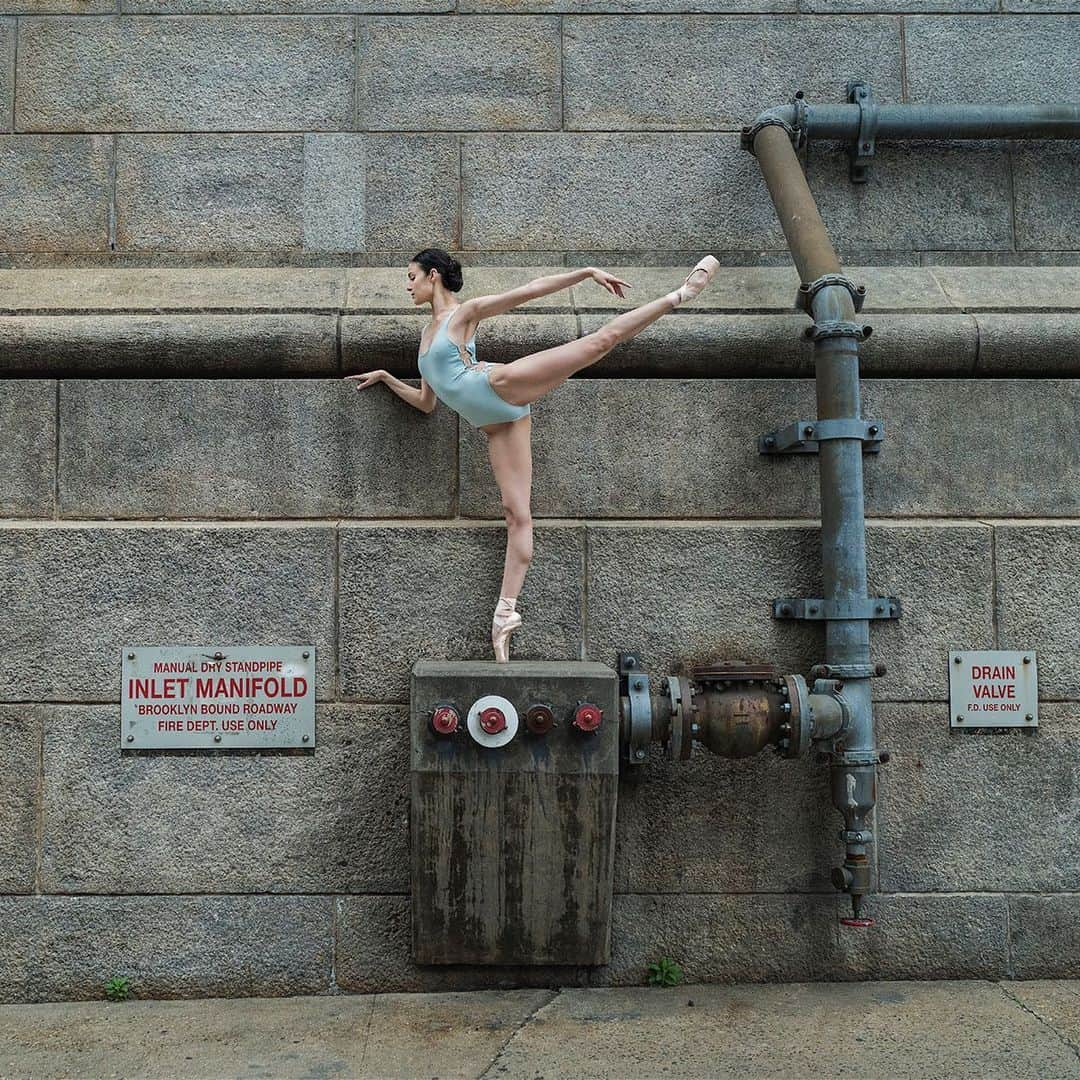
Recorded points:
(419, 284)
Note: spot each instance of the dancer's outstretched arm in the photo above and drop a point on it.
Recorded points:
(422, 398)
(483, 307)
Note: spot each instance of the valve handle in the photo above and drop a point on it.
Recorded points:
(492, 720)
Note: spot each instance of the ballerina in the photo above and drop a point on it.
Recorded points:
(496, 398)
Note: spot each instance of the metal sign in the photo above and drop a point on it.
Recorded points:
(217, 697)
(993, 689)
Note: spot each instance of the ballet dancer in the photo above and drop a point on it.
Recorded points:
(496, 397)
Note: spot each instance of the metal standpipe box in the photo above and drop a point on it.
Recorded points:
(514, 771)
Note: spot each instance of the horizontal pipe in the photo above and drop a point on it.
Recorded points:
(1061, 121)
(948, 121)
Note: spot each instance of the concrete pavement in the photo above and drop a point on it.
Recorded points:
(864, 1029)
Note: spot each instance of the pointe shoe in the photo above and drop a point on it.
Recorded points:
(696, 280)
(506, 621)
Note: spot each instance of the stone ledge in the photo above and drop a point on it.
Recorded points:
(301, 321)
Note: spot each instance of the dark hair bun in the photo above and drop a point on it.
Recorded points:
(437, 259)
(452, 276)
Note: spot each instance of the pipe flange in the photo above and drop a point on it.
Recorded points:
(804, 298)
(797, 727)
(749, 133)
(674, 693)
(681, 733)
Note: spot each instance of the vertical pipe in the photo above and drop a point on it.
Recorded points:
(843, 524)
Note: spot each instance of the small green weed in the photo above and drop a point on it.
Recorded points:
(664, 973)
(118, 988)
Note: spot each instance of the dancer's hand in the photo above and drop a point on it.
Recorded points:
(367, 378)
(609, 281)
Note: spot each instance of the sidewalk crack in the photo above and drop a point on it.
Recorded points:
(1027, 1008)
(552, 995)
(367, 1034)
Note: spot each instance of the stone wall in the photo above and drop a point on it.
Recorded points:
(177, 132)
(151, 496)
(180, 463)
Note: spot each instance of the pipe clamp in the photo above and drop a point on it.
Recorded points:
(861, 151)
(804, 298)
(803, 436)
(637, 734)
(749, 134)
(846, 671)
(856, 836)
(836, 328)
(848, 758)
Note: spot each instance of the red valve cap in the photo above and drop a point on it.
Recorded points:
(492, 720)
(445, 720)
(587, 717)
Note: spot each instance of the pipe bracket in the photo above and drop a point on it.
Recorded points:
(804, 298)
(861, 151)
(803, 436)
(635, 689)
(836, 328)
(872, 607)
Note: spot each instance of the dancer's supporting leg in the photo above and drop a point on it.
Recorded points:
(523, 381)
(510, 451)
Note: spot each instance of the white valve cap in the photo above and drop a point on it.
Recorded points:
(496, 738)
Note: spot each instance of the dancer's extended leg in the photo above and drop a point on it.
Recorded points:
(523, 381)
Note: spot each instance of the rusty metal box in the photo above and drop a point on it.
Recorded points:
(512, 845)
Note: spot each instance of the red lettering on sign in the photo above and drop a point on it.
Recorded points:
(987, 671)
(988, 690)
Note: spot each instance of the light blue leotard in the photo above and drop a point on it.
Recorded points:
(465, 388)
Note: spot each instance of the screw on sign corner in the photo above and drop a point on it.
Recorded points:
(492, 720)
(445, 720)
(587, 717)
